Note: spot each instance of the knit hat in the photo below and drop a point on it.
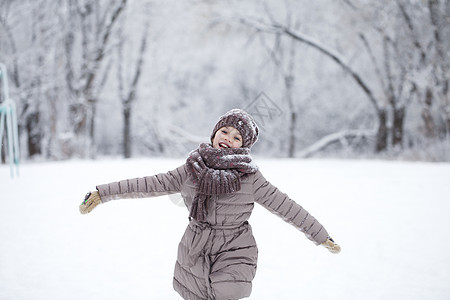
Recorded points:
(243, 122)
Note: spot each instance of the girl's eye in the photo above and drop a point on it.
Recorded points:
(237, 139)
(224, 131)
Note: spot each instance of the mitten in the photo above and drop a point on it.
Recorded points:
(331, 246)
(91, 200)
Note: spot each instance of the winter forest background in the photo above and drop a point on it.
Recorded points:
(148, 79)
(347, 78)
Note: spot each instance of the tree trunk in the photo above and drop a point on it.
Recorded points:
(127, 101)
(430, 128)
(34, 135)
(79, 118)
(382, 132)
(439, 19)
(3, 149)
(288, 81)
(127, 133)
(91, 139)
(397, 128)
(293, 122)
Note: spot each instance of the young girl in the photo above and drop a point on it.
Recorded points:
(219, 183)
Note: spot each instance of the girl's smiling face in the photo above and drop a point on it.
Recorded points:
(227, 137)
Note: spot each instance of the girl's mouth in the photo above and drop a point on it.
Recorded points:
(224, 145)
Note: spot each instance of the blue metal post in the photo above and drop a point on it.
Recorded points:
(8, 119)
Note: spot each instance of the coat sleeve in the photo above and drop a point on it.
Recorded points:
(150, 186)
(280, 204)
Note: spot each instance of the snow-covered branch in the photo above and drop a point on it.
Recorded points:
(188, 137)
(341, 137)
(303, 38)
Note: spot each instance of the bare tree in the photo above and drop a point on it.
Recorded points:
(284, 57)
(96, 26)
(32, 79)
(8, 41)
(128, 96)
(285, 29)
(412, 63)
(392, 70)
(439, 12)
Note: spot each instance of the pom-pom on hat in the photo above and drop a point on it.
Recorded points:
(243, 122)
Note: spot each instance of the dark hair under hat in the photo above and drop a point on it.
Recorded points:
(243, 122)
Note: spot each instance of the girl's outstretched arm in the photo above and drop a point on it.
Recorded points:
(280, 204)
(149, 186)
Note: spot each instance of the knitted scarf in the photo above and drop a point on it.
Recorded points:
(216, 172)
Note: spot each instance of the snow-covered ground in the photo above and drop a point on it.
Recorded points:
(391, 219)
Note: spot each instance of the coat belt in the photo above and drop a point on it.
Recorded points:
(203, 232)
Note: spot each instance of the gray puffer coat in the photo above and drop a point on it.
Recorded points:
(217, 259)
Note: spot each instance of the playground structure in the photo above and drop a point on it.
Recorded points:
(8, 121)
